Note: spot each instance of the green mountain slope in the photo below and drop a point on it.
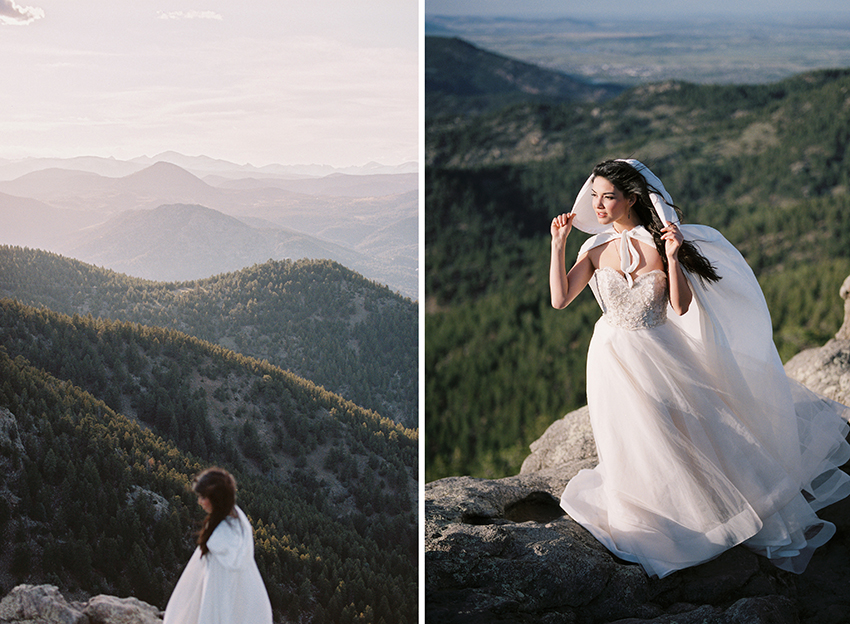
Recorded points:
(315, 318)
(103, 423)
(768, 165)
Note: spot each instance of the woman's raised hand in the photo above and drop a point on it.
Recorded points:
(561, 226)
(672, 239)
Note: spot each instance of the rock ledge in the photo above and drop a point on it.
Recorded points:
(44, 604)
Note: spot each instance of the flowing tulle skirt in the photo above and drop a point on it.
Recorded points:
(700, 451)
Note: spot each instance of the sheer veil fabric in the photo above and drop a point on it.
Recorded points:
(224, 586)
(705, 443)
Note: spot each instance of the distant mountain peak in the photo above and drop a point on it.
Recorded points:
(166, 174)
(163, 166)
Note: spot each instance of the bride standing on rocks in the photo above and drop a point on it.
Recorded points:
(703, 442)
(221, 583)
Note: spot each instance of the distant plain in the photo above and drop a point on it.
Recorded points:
(634, 51)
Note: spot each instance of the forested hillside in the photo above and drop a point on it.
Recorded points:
(103, 423)
(316, 318)
(768, 165)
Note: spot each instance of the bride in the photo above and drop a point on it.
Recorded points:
(221, 583)
(703, 442)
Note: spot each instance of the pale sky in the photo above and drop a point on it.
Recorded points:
(329, 82)
(634, 8)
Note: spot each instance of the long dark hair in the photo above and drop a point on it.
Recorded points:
(219, 487)
(631, 183)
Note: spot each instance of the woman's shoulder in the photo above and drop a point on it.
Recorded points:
(227, 527)
(232, 541)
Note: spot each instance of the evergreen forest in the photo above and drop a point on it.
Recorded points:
(768, 165)
(315, 318)
(104, 422)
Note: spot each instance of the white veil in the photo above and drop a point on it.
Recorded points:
(585, 218)
(732, 311)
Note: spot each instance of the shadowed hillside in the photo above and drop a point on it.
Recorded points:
(180, 242)
(317, 319)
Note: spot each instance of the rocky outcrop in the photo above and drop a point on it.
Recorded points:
(10, 440)
(157, 502)
(44, 604)
(826, 369)
(504, 551)
(566, 447)
(111, 610)
(11, 448)
(39, 603)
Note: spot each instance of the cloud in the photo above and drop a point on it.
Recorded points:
(12, 14)
(188, 15)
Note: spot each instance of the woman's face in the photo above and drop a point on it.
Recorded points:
(205, 503)
(609, 203)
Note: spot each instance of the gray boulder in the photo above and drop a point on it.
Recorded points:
(565, 447)
(41, 604)
(10, 440)
(111, 610)
(503, 550)
(44, 604)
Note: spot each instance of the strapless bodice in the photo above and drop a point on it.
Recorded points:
(640, 306)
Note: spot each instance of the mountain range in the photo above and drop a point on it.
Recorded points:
(141, 222)
(314, 318)
(199, 165)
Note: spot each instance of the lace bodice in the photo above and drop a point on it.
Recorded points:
(640, 306)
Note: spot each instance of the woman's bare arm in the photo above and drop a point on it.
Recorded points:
(563, 286)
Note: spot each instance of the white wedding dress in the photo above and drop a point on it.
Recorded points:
(703, 442)
(224, 586)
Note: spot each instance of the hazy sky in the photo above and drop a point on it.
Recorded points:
(636, 8)
(262, 81)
